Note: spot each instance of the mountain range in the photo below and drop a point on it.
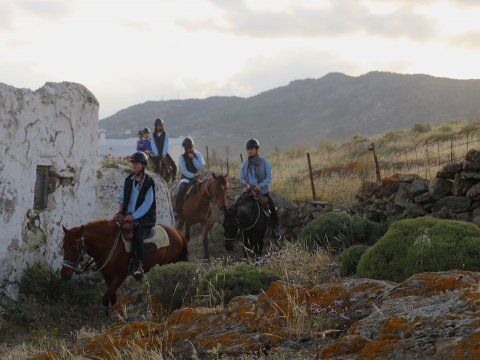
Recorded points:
(335, 106)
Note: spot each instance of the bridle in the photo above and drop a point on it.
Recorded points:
(211, 197)
(83, 251)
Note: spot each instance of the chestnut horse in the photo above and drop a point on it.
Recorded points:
(102, 240)
(197, 207)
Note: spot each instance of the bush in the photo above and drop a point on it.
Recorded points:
(336, 231)
(41, 282)
(349, 259)
(366, 232)
(221, 285)
(423, 244)
(172, 285)
(421, 128)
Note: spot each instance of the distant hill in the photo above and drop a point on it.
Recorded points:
(306, 111)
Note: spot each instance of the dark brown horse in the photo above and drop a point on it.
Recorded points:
(166, 168)
(102, 240)
(197, 207)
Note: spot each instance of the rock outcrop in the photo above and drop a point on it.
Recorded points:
(428, 316)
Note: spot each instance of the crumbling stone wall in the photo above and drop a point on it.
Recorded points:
(454, 193)
(56, 127)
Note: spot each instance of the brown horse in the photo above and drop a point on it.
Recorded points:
(102, 240)
(168, 169)
(197, 207)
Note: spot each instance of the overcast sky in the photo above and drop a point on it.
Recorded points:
(131, 51)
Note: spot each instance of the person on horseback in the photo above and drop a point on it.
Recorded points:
(137, 203)
(160, 140)
(140, 138)
(145, 143)
(191, 163)
(256, 176)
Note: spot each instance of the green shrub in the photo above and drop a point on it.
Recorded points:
(331, 231)
(172, 285)
(365, 231)
(335, 231)
(349, 259)
(221, 285)
(421, 128)
(41, 282)
(423, 244)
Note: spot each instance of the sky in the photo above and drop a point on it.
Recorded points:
(131, 51)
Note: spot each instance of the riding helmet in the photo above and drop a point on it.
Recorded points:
(146, 130)
(187, 142)
(140, 157)
(252, 143)
(158, 121)
(140, 132)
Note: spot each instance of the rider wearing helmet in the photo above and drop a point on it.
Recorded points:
(137, 203)
(191, 163)
(256, 176)
(160, 141)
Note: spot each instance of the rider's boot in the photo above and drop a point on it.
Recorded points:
(138, 272)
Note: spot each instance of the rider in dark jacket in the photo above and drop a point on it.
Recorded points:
(256, 175)
(137, 203)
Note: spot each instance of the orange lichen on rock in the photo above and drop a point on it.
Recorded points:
(376, 350)
(345, 345)
(468, 348)
(427, 284)
(396, 327)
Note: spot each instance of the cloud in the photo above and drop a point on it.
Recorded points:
(5, 15)
(49, 9)
(341, 17)
(470, 40)
(135, 25)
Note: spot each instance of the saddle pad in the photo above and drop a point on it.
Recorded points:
(157, 241)
(160, 239)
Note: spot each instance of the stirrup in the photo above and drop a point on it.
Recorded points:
(138, 273)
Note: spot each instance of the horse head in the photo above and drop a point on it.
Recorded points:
(73, 251)
(219, 191)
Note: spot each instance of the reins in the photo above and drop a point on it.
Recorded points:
(73, 265)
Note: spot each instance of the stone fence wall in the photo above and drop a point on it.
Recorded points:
(453, 194)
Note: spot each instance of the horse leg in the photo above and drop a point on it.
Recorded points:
(187, 232)
(205, 230)
(110, 297)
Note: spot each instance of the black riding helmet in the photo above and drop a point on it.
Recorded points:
(140, 132)
(158, 121)
(252, 143)
(146, 130)
(187, 142)
(140, 157)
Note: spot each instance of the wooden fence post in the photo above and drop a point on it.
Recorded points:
(241, 158)
(311, 176)
(451, 148)
(206, 148)
(377, 166)
(228, 167)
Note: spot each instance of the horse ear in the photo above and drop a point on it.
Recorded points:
(65, 230)
(214, 176)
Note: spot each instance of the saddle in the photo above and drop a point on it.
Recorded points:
(157, 235)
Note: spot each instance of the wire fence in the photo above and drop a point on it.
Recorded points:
(305, 179)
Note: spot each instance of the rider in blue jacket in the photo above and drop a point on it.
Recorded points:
(256, 175)
(191, 163)
(137, 203)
